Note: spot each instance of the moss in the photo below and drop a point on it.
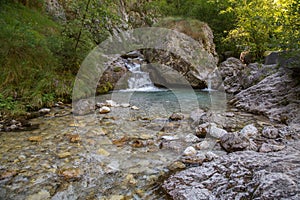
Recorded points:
(117, 69)
(104, 88)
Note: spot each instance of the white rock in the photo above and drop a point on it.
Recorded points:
(134, 108)
(111, 103)
(249, 131)
(169, 138)
(104, 110)
(125, 105)
(44, 110)
(190, 151)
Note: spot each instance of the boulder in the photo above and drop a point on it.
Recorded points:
(234, 142)
(241, 175)
(249, 131)
(193, 59)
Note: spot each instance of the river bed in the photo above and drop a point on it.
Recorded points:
(124, 154)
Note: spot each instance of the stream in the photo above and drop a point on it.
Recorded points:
(124, 154)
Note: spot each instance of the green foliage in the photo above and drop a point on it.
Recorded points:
(255, 25)
(28, 58)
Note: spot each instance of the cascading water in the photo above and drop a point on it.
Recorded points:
(139, 80)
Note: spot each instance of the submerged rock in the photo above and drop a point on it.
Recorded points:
(176, 117)
(241, 175)
(104, 110)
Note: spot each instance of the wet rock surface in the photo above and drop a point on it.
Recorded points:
(241, 175)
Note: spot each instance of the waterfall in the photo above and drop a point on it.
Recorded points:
(139, 80)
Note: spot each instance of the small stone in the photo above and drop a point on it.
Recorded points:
(41, 195)
(125, 105)
(103, 152)
(64, 155)
(104, 110)
(190, 151)
(44, 110)
(134, 108)
(270, 132)
(70, 173)
(217, 132)
(202, 130)
(74, 138)
(21, 157)
(191, 138)
(205, 145)
(35, 139)
(176, 117)
(265, 148)
(138, 143)
(229, 114)
(177, 165)
(249, 131)
(169, 137)
(111, 103)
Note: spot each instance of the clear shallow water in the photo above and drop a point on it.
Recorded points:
(118, 153)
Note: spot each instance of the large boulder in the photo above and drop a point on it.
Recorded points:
(193, 56)
(241, 175)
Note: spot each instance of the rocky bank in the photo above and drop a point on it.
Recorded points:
(260, 163)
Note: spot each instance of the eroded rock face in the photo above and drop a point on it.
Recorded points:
(241, 175)
(238, 76)
(276, 96)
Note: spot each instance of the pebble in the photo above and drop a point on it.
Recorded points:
(71, 173)
(134, 108)
(111, 103)
(125, 105)
(103, 152)
(205, 145)
(189, 151)
(176, 117)
(35, 139)
(64, 155)
(104, 110)
(74, 138)
(177, 165)
(44, 110)
(229, 114)
(202, 130)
